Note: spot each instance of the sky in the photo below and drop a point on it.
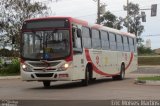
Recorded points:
(87, 10)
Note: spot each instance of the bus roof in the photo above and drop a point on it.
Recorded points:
(45, 18)
(85, 23)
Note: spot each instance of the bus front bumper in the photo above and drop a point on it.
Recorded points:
(41, 76)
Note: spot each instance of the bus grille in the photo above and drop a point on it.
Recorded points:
(39, 70)
(42, 64)
(44, 75)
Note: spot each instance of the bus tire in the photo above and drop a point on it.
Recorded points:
(46, 83)
(115, 77)
(85, 82)
(122, 74)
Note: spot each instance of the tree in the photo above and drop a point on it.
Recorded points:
(14, 12)
(3, 41)
(132, 21)
(143, 50)
(5, 53)
(110, 20)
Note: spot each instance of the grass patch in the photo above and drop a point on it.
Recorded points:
(153, 78)
(149, 60)
(9, 74)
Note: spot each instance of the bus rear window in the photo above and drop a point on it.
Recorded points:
(46, 24)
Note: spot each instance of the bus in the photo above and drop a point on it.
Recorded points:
(69, 49)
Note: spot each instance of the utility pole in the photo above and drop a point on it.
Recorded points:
(98, 11)
(127, 15)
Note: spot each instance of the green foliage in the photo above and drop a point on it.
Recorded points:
(1, 63)
(133, 19)
(13, 13)
(133, 9)
(5, 52)
(11, 69)
(151, 78)
(110, 20)
(143, 50)
(148, 60)
(8, 53)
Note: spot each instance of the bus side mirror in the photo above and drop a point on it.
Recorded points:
(79, 34)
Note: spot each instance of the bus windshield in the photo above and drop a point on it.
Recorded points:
(48, 45)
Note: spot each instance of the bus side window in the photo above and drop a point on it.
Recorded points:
(104, 40)
(86, 38)
(119, 42)
(131, 44)
(96, 41)
(112, 41)
(125, 44)
(76, 40)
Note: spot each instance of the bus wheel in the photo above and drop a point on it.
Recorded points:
(122, 73)
(85, 81)
(46, 83)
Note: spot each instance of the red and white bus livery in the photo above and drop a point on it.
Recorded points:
(68, 49)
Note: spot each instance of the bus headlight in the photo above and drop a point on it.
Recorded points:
(63, 67)
(26, 68)
(66, 65)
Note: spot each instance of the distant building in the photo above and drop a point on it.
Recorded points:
(148, 43)
(157, 51)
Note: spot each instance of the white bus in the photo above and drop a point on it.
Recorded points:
(68, 49)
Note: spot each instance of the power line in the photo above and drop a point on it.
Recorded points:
(117, 11)
(139, 7)
(86, 15)
(47, 1)
(100, 9)
(101, 3)
(154, 35)
(148, 5)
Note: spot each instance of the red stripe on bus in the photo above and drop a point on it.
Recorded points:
(101, 72)
(98, 71)
(131, 58)
(87, 55)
